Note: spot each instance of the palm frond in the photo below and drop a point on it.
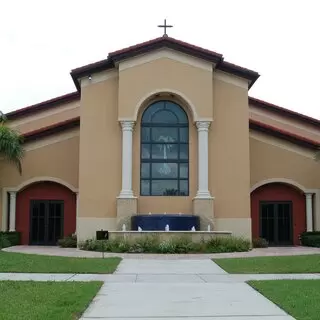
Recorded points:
(11, 146)
(317, 156)
(3, 118)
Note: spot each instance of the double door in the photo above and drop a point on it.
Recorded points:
(276, 222)
(46, 221)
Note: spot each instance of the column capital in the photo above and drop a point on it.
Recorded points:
(127, 125)
(203, 125)
(13, 194)
(308, 195)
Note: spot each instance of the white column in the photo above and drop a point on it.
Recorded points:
(316, 210)
(309, 213)
(77, 211)
(12, 210)
(203, 159)
(127, 129)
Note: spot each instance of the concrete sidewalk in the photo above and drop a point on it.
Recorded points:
(153, 278)
(182, 289)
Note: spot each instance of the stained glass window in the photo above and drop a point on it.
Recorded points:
(164, 150)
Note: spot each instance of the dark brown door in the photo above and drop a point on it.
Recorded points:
(276, 222)
(46, 221)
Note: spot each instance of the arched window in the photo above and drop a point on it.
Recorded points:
(164, 150)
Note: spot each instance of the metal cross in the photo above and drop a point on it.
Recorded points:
(165, 26)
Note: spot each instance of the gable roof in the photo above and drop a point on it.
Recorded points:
(158, 43)
(282, 111)
(43, 106)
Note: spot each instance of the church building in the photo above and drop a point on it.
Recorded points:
(162, 126)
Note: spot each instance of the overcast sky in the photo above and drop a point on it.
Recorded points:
(41, 41)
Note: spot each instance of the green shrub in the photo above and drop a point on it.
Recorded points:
(260, 243)
(310, 239)
(68, 242)
(166, 246)
(9, 238)
(4, 241)
(152, 244)
(229, 244)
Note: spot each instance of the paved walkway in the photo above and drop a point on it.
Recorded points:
(180, 289)
(69, 252)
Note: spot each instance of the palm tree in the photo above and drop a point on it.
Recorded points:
(10, 143)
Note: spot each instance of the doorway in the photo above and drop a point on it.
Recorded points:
(276, 222)
(46, 221)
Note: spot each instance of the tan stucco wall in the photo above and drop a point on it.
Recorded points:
(100, 150)
(139, 82)
(302, 128)
(226, 102)
(271, 161)
(46, 118)
(229, 175)
(59, 160)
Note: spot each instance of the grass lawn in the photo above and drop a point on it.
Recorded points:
(290, 264)
(19, 262)
(299, 298)
(45, 300)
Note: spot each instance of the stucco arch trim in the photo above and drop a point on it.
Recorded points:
(23, 185)
(182, 96)
(279, 180)
(26, 183)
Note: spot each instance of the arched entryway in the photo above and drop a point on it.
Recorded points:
(278, 213)
(45, 212)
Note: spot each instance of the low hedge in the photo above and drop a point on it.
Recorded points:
(310, 239)
(260, 243)
(68, 242)
(9, 238)
(152, 244)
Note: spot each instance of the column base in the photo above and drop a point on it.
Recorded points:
(203, 195)
(126, 194)
(126, 208)
(203, 207)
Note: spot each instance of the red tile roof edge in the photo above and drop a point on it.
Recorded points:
(280, 110)
(286, 135)
(48, 130)
(158, 43)
(44, 105)
(159, 39)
